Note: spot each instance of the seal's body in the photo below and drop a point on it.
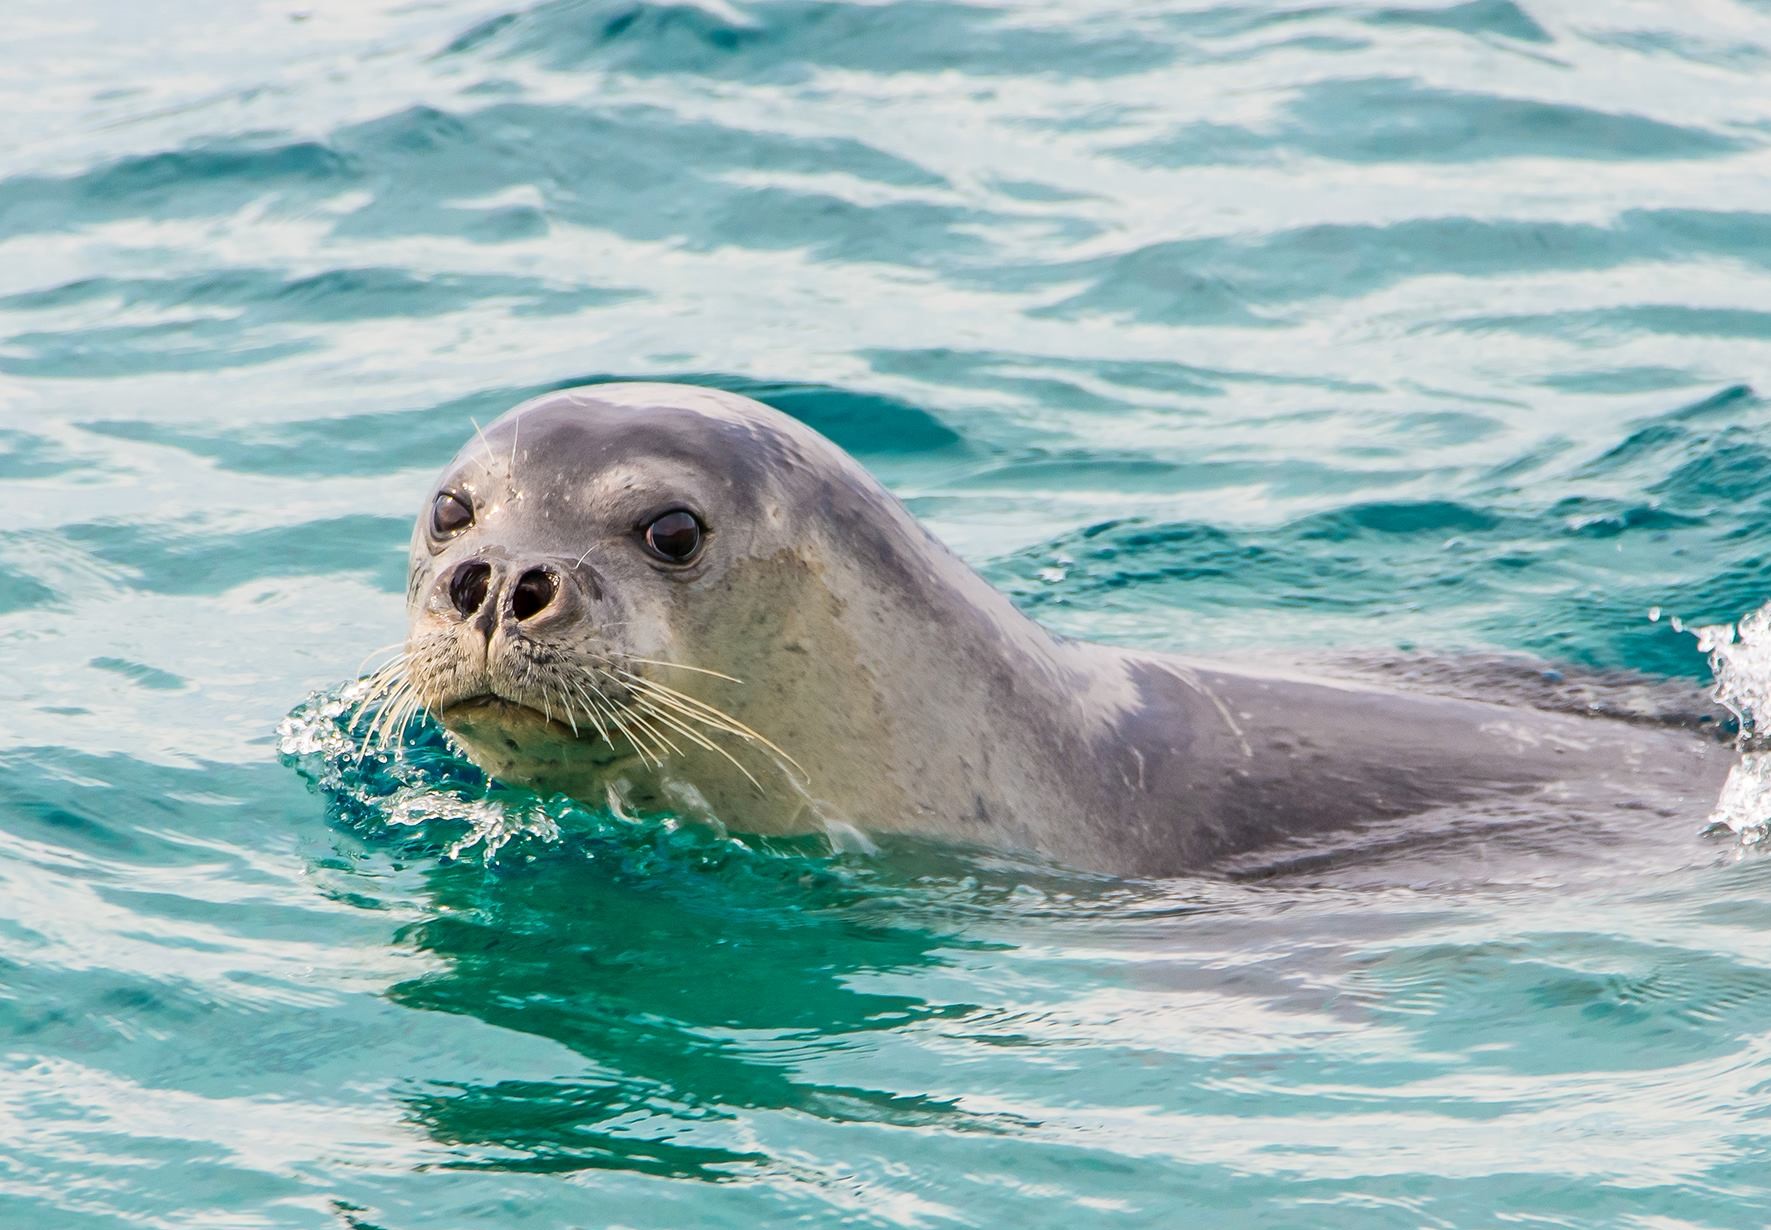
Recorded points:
(675, 598)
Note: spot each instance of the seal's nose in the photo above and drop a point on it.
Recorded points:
(469, 587)
(533, 593)
(483, 594)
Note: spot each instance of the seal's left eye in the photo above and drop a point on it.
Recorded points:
(675, 536)
(449, 514)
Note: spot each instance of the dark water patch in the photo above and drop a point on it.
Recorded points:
(1598, 518)
(204, 179)
(1199, 567)
(1606, 326)
(1735, 403)
(1387, 119)
(1103, 470)
(501, 223)
(270, 296)
(187, 560)
(68, 820)
(1635, 379)
(140, 674)
(1485, 19)
(1201, 143)
(1668, 41)
(866, 424)
(1733, 234)
(1679, 454)
(833, 229)
(647, 174)
(787, 40)
(1502, 18)
(561, 1127)
(1250, 279)
(1039, 192)
(1173, 283)
(24, 455)
(1439, 429)
(1391, 119)
(90, 1013)
(1230, 21)
(115, 807)
(21, 592)
(133, 350)
(1424, 517)
(574, 952)
(265, 296)
(257, 301)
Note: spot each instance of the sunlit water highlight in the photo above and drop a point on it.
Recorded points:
(1408, 332)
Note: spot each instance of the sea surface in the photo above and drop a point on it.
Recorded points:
(1401, 329)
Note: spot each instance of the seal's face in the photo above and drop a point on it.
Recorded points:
(560, 618)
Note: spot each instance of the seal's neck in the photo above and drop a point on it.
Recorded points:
(962, 716)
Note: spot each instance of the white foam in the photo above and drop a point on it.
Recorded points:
(1740, 658)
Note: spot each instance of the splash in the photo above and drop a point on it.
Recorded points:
(1740, 659)
(421, 788)
(414, 786)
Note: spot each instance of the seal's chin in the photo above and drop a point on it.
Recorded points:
(490, 709)
(516, 743)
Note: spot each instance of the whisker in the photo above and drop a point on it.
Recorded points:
(656, 735)
(566, 711)
(481, 432)
(590, 708)
(650, 700)
(705, 742)
(709, 715)
(382, 649)
(381, 685)
(383, 714)
(403, 722)
(615, 717)
(684, 666)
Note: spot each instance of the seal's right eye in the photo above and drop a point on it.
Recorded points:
(675, 536)
(449, 514)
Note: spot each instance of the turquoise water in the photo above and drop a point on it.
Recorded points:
(1255, 329)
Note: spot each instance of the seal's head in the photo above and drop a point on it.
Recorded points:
(601, 581)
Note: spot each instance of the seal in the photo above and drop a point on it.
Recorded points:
(672, 598)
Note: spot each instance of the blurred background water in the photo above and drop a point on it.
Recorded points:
(1244, 328)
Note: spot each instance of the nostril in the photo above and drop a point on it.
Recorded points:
(534, 590)
(468, 588)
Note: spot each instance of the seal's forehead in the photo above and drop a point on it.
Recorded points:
(628, 427)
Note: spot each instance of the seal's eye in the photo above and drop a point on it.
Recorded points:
(675, 536)
(449, 514)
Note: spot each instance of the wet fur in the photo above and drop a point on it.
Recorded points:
(867, 677)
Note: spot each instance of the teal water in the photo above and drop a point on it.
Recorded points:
(1253, 329)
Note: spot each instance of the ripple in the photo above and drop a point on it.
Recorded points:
(785, 40)
(1408, 338)
(1399, 120)
(205, 179)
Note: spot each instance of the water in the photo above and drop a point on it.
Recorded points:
(1404, 328)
